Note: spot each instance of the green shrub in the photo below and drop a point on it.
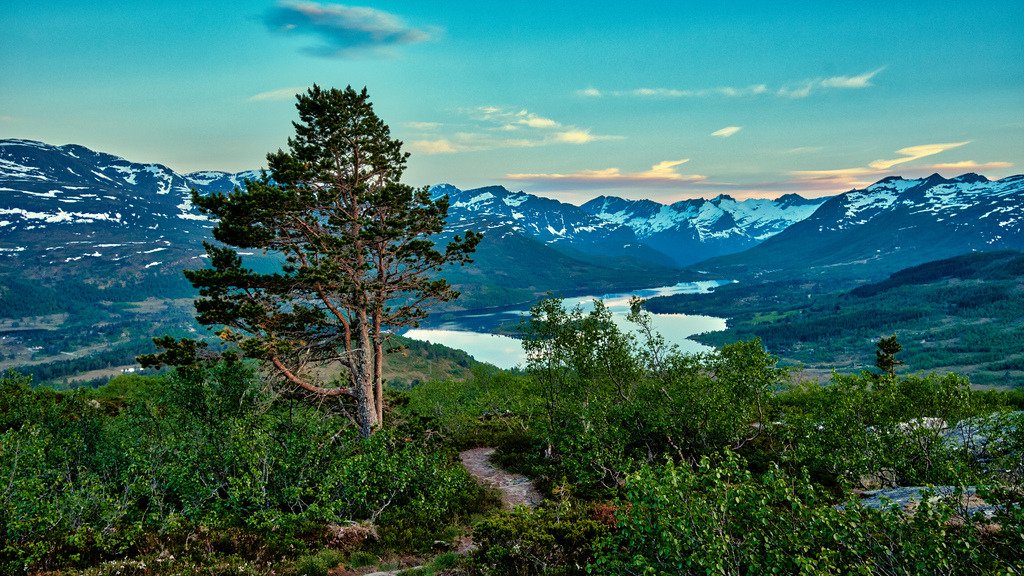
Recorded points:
(719, 518)
(319, 564)
(205, 456)
(888, 430)
(550, 540)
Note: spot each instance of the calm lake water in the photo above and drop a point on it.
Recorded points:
(506, 352)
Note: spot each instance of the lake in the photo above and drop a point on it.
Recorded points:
(468, 331)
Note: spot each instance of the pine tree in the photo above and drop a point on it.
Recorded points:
(885, 355)
(358, 257)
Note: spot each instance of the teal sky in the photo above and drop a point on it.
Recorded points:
(569, 99)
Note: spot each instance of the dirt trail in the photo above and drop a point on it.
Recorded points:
(515, 489)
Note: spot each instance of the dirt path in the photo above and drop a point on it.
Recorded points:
(515, 489)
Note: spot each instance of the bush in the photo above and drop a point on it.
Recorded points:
(318, 564)
(95, 475)
(889, 431)
(719, 518)
(553, 540)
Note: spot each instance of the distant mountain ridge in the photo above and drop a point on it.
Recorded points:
(96, 207)
(69, 204)
(94, 214)
(693, 230)
(892, 224)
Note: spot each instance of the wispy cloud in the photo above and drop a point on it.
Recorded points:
(4, 118)
(495, 127)
(423, 126)
(660, 175)
(859, 176)
(276, 95)
(727, 131)
(439, 146)
(800, 89)
(859, 81)
(912, 153)
(344, 30)
(653, 92)
(807, 87)
(970, 165)
(510, 120)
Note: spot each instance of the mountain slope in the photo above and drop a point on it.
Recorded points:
(567, 228)
(892, 224)
(963, 314)
(694, 230)
(67, 211)
(69, 214)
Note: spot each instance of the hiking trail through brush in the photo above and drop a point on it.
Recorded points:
(515, 489)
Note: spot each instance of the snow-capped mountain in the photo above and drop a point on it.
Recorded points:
(693, 230)
(893, 224)
(69, 204)
(499, 213)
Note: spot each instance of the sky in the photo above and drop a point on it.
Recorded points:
(572, 99)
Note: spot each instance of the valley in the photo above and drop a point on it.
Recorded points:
(92, 247)
(963, 314)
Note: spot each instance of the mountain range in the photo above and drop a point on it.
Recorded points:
(892, 224)
(68, 211)
(92, 247)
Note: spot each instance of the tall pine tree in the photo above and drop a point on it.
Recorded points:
(359, 261)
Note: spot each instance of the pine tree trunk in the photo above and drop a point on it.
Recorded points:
(364, 366)
(378, 370)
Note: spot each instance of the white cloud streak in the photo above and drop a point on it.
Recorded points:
(860, 176)
(912, 153)
(494, 127)
(971, 165)
(661, 175)
(794, 90)
(277, 95)
(727, 131)
(423, 126)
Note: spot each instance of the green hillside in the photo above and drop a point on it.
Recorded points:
(964, 314)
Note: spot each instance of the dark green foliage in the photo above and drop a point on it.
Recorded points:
(719, 518)
(207, 459)
(357, 250)
(555, 540)
(608, 399)
(657, 463)
(877, 432)
(20, 298)
(492, 408)
(1004, 265)
(885, 355)
(962, 314)
(665, 440)
(318, 564)
(56, 372)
